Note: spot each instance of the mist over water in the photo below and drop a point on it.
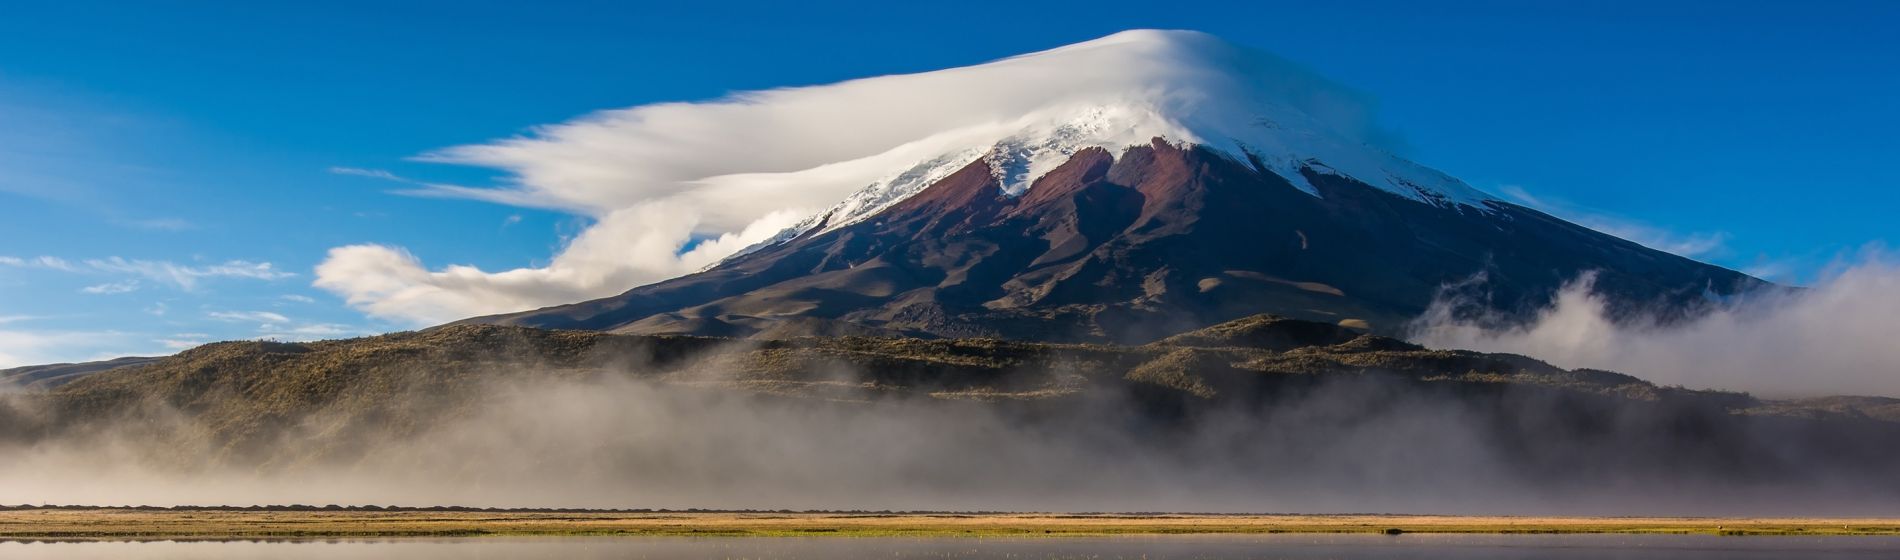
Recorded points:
(620, 442)
(628, 439)
(1835, 338)
(635, 435)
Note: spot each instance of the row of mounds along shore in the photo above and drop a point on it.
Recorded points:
(266, 522)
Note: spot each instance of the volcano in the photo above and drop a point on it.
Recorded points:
(1207, 182)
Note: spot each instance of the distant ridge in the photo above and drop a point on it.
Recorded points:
(53, 375)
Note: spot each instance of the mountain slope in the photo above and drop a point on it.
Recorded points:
(1173, 181)
(1128, 247)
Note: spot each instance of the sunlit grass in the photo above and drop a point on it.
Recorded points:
(133, 524)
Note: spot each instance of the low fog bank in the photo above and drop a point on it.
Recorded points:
(1836, 338)
(625, 441)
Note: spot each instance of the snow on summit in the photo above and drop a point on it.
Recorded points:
(674, 187)
(1128, 88)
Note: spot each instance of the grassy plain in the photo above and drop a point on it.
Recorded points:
(228, 524)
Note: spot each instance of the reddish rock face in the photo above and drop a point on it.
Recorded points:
(1156, 240)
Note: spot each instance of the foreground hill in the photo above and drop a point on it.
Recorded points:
(1288, 400)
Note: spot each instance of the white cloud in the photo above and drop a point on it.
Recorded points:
(119, 287)
(311, 331)
(1693, 245)
(187, 276)
(371, 173)
(270, 326)
(1834, 338)
(297, 298)
(22, 348)
(182, 276)
(184, 341)
(628, 248)
(248, 316)
(51, 263)
(275, 326)
(656, 178)
(1696, 245)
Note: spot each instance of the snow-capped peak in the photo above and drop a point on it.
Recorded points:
(676, 185)
(1181, 86)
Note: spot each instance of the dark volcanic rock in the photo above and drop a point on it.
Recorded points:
(1158, 240)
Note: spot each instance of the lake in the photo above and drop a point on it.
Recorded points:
(1202, 547)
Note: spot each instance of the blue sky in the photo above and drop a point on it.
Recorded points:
(168, 173)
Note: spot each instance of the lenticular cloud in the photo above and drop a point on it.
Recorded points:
(674, 187)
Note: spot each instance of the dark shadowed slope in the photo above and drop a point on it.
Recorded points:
(1126, 249)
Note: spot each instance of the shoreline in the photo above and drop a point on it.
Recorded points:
(240, 524)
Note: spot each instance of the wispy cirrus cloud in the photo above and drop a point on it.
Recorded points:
(301, 332)
(371, 173)
(247, 316)
(187, 276)
(51, 263)
(182, 276)
(426, 189)
(277, 326)
(120, 287)
(1695, 245)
